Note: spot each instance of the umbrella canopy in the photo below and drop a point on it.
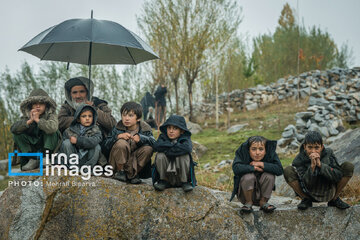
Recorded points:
(90, 42)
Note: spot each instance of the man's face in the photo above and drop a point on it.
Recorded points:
(129, 119)
(313, 148)
(173, 132)
(78, 93)
(86, 118)
(257, 151)
(40, 107)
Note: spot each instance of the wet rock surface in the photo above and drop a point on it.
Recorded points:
(109, 209)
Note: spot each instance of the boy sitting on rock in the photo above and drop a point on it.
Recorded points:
(129, 146)
(37, 130)
(173, 162)
(83, 137)
(315, 174)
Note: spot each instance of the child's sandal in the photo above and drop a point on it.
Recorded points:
(268, 208)
(246, 208)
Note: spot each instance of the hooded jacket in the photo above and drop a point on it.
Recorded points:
(241, 164)
(145, 134)
(182, 146)
(66, 114)
(92, 135)
(48, 122)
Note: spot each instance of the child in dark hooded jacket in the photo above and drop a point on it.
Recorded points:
(173, 162)
(83, 137)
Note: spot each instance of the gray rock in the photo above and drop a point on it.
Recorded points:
(318, 101)
(236, 128)
(206, 166)
(318, 117)
(199, 149)
(283, 142)
(252, 107)
(304, 115)
(113, 210)
(300, 124)
(300, 137)
(222, 179)
(194, 127)
(4, 165)
(347, 148)
(288, 134)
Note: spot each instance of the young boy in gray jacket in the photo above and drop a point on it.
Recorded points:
(83, 137)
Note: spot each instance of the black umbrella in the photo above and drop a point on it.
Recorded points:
(89, 42)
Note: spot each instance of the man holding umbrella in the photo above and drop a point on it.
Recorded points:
(78, 91)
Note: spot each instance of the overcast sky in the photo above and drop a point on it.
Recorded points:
(21, 20)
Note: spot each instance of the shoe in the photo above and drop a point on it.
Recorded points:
(31, 165)
(187, 187)
(246, 208)
(161, 185)
(338, 203)
(305, 204)
(135, 180)
(120, 175)
(268, 208)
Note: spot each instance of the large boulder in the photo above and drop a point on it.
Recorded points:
(194, 128)
(347, 148)
(103, 208)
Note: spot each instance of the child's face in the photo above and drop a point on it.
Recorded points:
(313, 148)
(86, 118)
(129, 119)
(257, 151)
(173, 132)
(40, 107)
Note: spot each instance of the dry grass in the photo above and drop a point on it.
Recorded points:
(351, 191)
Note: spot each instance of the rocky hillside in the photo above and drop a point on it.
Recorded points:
(108, 209)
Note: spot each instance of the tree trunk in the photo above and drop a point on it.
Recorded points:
(176, 96)
(190, 102)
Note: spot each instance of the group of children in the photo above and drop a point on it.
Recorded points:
(315, 174)
(128, 148)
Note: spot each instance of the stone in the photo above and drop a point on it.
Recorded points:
(2, 177)
(318, 101)
(252, 106)
(114, 210)
(283, 142)
(318, 117)
(300, 124)
(304, 115)
(236, 128)
(194, 128)
(4, 165)
(288, 134)
(199, 149)
(222, 179)
(347, 148)
(206, 166)
(300, 137)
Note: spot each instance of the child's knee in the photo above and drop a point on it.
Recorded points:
(248, 178)
(290, 174)
(347, 169)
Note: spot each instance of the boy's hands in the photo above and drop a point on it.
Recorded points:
(315, 161)
(258, 166)
(136, 138)
(73, 140)
(127, 136)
